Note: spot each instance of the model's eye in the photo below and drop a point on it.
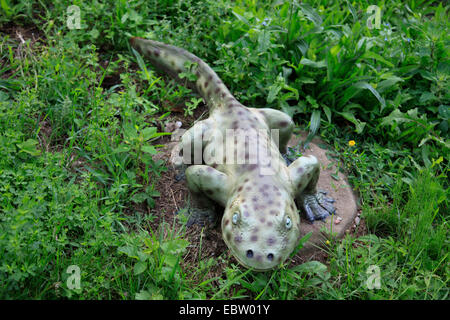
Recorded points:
(235, 217)
(288, 223)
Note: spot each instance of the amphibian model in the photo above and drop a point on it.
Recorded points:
(261, 223)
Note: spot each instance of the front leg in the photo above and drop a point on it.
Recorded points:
(304, 173)
(207, 186)
(190, 149)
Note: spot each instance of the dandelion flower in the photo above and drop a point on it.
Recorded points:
(351, 143)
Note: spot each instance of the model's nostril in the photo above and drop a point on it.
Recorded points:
(270, 257)
(249, 254)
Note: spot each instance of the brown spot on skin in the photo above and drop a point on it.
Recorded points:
(273, 212)
(269, 223)
(254, 238)
(206, 84)
(300, 170)
(227, 221)
(238, 239)
(271, 241)
(246, 214)
(240, 189)
(210, 77)
(262, 220)
(217, 90)
(228, 236)
(156, 53)
(284, 123)
(254, 199)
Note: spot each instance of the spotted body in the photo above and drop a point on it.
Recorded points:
(246, 174)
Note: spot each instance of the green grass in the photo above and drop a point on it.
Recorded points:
(79, 119)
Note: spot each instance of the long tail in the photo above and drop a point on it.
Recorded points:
(172, 60)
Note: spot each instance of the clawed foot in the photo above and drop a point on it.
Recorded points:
(202, 217)
(318, 206)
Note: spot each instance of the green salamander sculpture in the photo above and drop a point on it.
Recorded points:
(260, 224)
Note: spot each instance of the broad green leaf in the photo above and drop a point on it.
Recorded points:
(376, 56)
(29, 146)
(310, 13)
(139, 197)
(129, 131)
(327, 112)
(313, 127)
(139, 267)
(311, 267)
(351, 117)
(148, 132)
(313, 64)
(149, 149)
(129, 251)
(273, 91)
(122, 148)
(365, 85)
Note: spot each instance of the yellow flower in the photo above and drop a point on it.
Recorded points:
(328, 242)
(351, 143)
